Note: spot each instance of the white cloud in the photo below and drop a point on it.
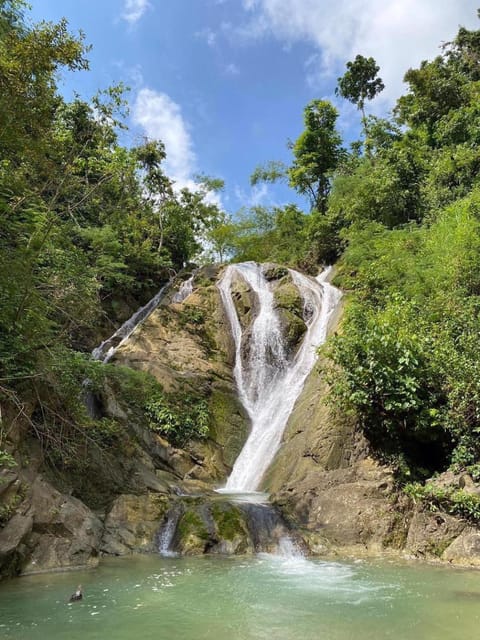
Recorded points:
(131, 74)
(133, 10)
(208, 35)
(259, 194)
(231, 69)
(161, 119)
(398, 33)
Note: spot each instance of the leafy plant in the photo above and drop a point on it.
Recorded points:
(456, 502)
(179, 419)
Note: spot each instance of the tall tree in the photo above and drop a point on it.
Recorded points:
(359, 83)
(316, 154)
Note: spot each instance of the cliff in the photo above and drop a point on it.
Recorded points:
(344, 502)
(114, 502)
(324, 481)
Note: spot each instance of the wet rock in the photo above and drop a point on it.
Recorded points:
(273, 271)
(12, 538)
(430, 534)
(133, 522)
(325, 482)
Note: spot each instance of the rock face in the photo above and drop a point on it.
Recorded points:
(345, 503)
(324, 480)
(212, 524)
(50, 530)
(44, 525)
(133, 523)
(187, 347)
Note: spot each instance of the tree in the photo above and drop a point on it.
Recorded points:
(360, 83)
(221, 238)
(317, 152)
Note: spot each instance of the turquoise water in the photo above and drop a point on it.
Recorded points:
(266, 597)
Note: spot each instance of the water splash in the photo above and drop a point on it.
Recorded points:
(269, 384)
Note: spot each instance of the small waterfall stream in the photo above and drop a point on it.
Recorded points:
(106, 350)
(167, 531)
(268, 383)
(185, 290)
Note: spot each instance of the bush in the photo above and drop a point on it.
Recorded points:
(179, 419)
(453, 501)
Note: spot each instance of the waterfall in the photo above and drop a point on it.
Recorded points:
(167, 532)
(184, 291)
(268, 384)
(106, 350)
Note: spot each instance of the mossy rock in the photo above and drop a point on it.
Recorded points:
(293, 330)
(273, 271)
(229, 424)
(192, 535)
(287, 296)
(229, 521)
(231, 529)
(245, 301)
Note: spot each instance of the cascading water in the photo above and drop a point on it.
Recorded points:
(167, 532)
(106, 350)
(269, 384)
(185, 290)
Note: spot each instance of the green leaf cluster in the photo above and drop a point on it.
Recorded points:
(457, 502)
(179, 419)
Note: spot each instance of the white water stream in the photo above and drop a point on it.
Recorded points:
(185, 290)
(106, 350)
(268, 383)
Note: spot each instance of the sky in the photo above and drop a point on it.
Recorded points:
(223, 83)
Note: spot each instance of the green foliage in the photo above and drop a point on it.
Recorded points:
(360, 81)
(316, 154)
(179, 418)
(82, 219)
(407, 353)
(387, 377)
(457, 502)
(7, 461)
(276, 234)
(191, 314)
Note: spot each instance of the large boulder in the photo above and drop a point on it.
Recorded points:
(133, 522)
(64, 534)
(464, 550)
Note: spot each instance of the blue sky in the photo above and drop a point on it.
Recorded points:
(224, 82)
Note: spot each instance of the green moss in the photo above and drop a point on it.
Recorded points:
(437, 548)
(228, 520)
(397, 536)
(191, 526)
(295, 328)
(228, 426)
(288, 297)
(274, 272)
